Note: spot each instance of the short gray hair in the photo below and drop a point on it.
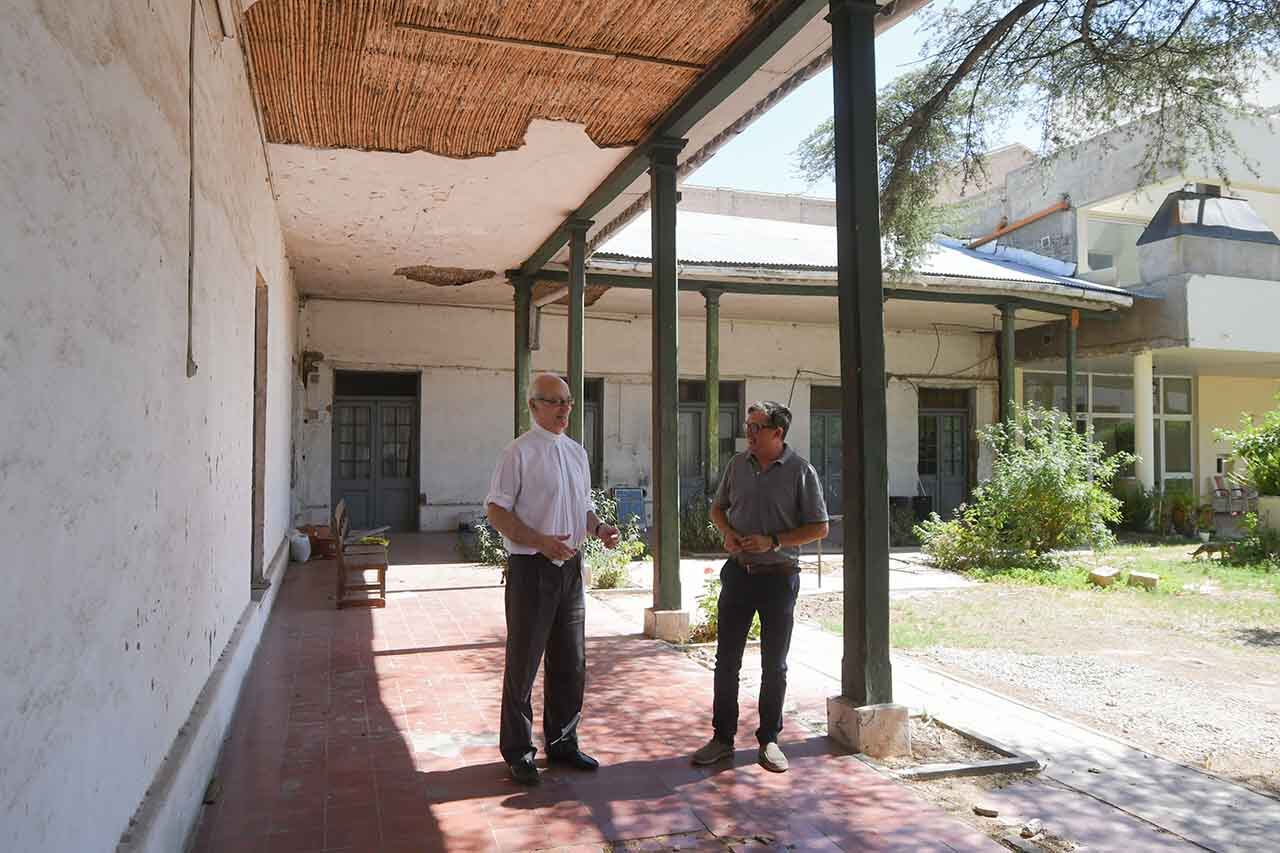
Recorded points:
(530, 393)
(778, 414)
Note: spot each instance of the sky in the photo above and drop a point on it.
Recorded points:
(760, 158)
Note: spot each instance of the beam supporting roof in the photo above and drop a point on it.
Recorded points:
(699, 285)
(743, 59)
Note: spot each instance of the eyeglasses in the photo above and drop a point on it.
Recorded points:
(556, 402)
(753, 428)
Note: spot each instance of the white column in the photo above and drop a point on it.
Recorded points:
(1144, 437)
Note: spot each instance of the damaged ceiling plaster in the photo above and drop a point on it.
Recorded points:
(444, 276)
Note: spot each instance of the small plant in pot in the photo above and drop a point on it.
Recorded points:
(1204, 521)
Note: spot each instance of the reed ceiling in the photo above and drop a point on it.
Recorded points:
(465, 78)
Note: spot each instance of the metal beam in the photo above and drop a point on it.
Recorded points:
(746, 56)
(865, 674)
(1073, 323)
(523, 291)
(577, 299)
(1008, 353)
(747, 288)
(711, 462)
(665, 474)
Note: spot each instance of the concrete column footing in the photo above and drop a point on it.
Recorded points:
(880, 731)
(669, 625)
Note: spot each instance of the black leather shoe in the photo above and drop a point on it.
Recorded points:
(577, 759)
(524, 773)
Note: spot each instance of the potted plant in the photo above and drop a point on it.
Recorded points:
(1204, 521)
(1181, 507)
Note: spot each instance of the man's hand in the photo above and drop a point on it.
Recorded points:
(756, 543)
(732, 541)
(554, 548)
(608, 535)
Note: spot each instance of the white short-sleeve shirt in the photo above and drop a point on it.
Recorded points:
(545, 479)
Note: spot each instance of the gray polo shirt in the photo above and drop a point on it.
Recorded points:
(784, 496)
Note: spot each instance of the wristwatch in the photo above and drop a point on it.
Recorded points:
(776, 542)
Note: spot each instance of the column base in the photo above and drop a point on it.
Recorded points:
(669, 625)
(880, 731)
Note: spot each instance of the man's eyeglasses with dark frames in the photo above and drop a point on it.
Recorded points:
(753, 428)
(556, 402)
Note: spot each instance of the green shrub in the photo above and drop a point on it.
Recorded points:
(1136, 506)
(608, 567)
(708, 627)
(1258, 444)
(482, 545)
(1260, 546)
(1049, 490)
(697, 534)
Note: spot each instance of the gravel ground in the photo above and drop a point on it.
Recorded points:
(1175, 716)
(1184, 694)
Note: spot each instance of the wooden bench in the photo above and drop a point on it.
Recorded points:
(355, 562)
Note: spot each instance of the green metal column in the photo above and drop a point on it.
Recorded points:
(1073, 323)
(665, 482)
(866, 676)
(577, 295)
(711, 463)
(1008, 393)
(524, 308)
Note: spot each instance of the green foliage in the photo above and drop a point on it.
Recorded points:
(483, 545)
(1259, 546)
(1258, 444)
(1049, 490)
(1136, 506)
(608, 567)
(1178, 509)
(708, 627)
(1166, 72)
(697, 534)
(909, 219)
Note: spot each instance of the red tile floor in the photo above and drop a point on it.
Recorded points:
(377, 731)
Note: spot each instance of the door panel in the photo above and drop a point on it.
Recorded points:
(826, 437)
(942, 464)
(690, 448)
(374, 466)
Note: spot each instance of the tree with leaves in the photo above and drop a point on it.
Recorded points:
(1173, 70)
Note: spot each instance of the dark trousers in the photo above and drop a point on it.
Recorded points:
(742, 595)
(545, 612)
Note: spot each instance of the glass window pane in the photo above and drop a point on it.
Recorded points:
(1115, 434)
(1113, 394)
(1048, 390)
(1177, 396)
(1177, 447)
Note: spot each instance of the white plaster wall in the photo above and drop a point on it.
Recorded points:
(125, 485)
(1232, 313)
(465, 356)
(1220, 403)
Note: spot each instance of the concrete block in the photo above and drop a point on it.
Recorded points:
(1103, 576)
(669, 625)
(1143, 579)
(880, 731)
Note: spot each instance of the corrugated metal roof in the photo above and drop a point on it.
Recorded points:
(713, 239)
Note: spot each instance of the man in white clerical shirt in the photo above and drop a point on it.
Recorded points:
(540, 501)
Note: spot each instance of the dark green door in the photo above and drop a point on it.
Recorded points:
(943, 463)
(374, 453)
(825, 443)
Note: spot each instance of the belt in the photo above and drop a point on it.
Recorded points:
(768, 568)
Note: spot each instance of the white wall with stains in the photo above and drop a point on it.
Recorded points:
(124, 484)
(465, 357)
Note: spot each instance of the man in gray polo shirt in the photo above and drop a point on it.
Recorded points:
(768, 505)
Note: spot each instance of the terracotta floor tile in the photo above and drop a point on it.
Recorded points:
(377, 731)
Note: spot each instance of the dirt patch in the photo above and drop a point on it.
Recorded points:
(1123, 664)
(934, 743)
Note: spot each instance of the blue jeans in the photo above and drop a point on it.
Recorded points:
(742, 595)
